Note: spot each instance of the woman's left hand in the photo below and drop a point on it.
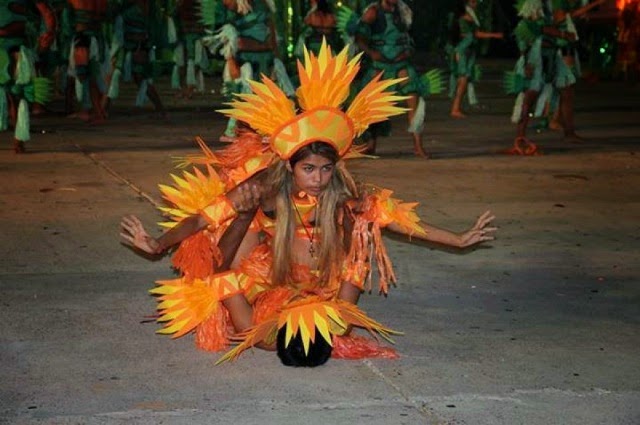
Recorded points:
(480, 232)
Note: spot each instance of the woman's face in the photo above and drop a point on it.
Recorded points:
(312, 174)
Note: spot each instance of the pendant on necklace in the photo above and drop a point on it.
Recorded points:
(312, 250)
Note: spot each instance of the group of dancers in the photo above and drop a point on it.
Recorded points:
(78, 49)
(83, 49)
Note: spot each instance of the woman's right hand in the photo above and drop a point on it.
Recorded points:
(133, 234)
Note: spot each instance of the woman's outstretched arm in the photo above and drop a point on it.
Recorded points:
(134, 234)
(481, 231)
(244, 198)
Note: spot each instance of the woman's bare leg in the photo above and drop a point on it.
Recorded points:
(461, 89)
(418, 149)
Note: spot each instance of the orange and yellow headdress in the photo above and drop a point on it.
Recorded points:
(325, 82)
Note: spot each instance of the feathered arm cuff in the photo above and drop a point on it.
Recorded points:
(219, 211)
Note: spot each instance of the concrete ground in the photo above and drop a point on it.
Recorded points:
(540, 326)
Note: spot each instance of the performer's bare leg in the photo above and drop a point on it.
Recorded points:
(37, 109)
(18, 146)
(556, 120)
(13, 111)
(461, 89)
(69, 96)
(152, 93)
(157, 103)
(530, 97)
(99, 115)
(418, 149)
(567, 101)
(522, 145)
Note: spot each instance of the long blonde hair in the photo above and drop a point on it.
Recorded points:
(328, 215)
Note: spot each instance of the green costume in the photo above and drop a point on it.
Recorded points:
(131, 50)
(389, 35)
(462, 58)
(17, 70)
(462, 53)
(255, 26)
(311, 37)
(565, 74)
(57, 57)
(528, 35)
(88, 34)
(530, 72)
(192, 52)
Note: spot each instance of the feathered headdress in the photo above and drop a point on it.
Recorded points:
(325, 81)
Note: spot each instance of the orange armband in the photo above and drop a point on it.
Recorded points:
(219, 211)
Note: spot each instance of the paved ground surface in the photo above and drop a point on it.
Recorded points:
(538, 327)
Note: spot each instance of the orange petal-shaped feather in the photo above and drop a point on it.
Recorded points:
(266, 109)
(192, 192)
(325, 80)
(373, 104)
(184, 305)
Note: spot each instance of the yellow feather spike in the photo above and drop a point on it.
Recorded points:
(192, 192)
(184, 304)
(290, 331)
(266, 109)
(373, 104)
(335, 317)
(322, 326)
(165, 287)
(171, 314)
(325, 80)
(167, 304)
(183, 183)
(172, 329)
(306, 333)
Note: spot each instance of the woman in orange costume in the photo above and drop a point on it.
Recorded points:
(276, 247)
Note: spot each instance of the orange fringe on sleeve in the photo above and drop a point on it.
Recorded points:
(197, 256)
(376, 211)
